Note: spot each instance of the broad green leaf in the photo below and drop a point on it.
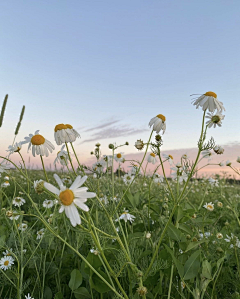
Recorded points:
(206, 269)
(76, 279)
(192, 265)
(59, 295)
(176, 261)
(98, 284)
(179, 213)
(185, 228)
(81, 293)
(175, 234)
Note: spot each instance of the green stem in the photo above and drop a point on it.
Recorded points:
(44, 169)
(70, 159)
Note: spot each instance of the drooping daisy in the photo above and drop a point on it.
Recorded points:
(65, 133)
(218, 150)
(152, 158)
(126, 217)
(185, 156)
(179, 173)
(48, 203)
(22, 226)
(99, 166)
(209, 206)
(209, 101)
(215, 119)
(119, 157)
(13, 215)
(128, 178)
(158, 123)
(6, 178)
(72, 197)
(6, 262)
(139, 144)
(18, 201)
(228, 163)
(40, 234)
(157, 178)
(4, 167)
(62, 157)
(40, 145)
(169, 158)
(15, 148)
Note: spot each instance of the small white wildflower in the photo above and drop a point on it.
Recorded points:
(126, 216)
(40, 233)
(18, 201)
(48, 203)
(22, 226)
(209, 206)
(6, 262)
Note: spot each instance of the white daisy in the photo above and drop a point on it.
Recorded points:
(104, 199)
(152, 158)
(65, 133)
(185, 157)
(126, 216)
(119, 157)
(67, 180)
(207, 155)
(169, 158)
(18, 201)
(209, 101)
(62, 157)
(8, 253)
(22, 226)
(6, 178)
(108, 159)
(94, 251)
(28, 296)
(72, 197)
(213, 182)
(133, 169)
(48, 203)
(215, 119)
(5, 184)
(221, 164)
(209, 206)
(128, 178)
(219, 235)
(219, 204)
(40, 145)
(40, 233)
(6, 262)
(15, 148)
(158, 123)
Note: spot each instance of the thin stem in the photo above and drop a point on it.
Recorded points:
(44, 168)
(70, 159)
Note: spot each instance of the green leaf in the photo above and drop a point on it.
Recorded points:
(59, 295)
(93, 261)
(192, 245)
(192, 266)
(175, 234)
(176, 261)
(81, 293)
(47, 293)
(179, 213)
(185, 228)
(76, 279)
(136, 235)
(98, 284)
(206, 269)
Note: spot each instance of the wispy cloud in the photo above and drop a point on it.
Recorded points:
(104, 125)
(107, 131)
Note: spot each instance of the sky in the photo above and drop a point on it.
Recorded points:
(108, 67)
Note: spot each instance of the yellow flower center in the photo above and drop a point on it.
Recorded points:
(69, 126)
(209, 206)
(6, 263)
(124, 213)
(162, 117)
(37, 140)
(60, 127)
(66, 197)
(211, 94)
(7, 182)
(170, 156)
(152, 154)
(119, 156)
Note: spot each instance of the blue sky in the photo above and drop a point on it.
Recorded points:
(108, 67)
